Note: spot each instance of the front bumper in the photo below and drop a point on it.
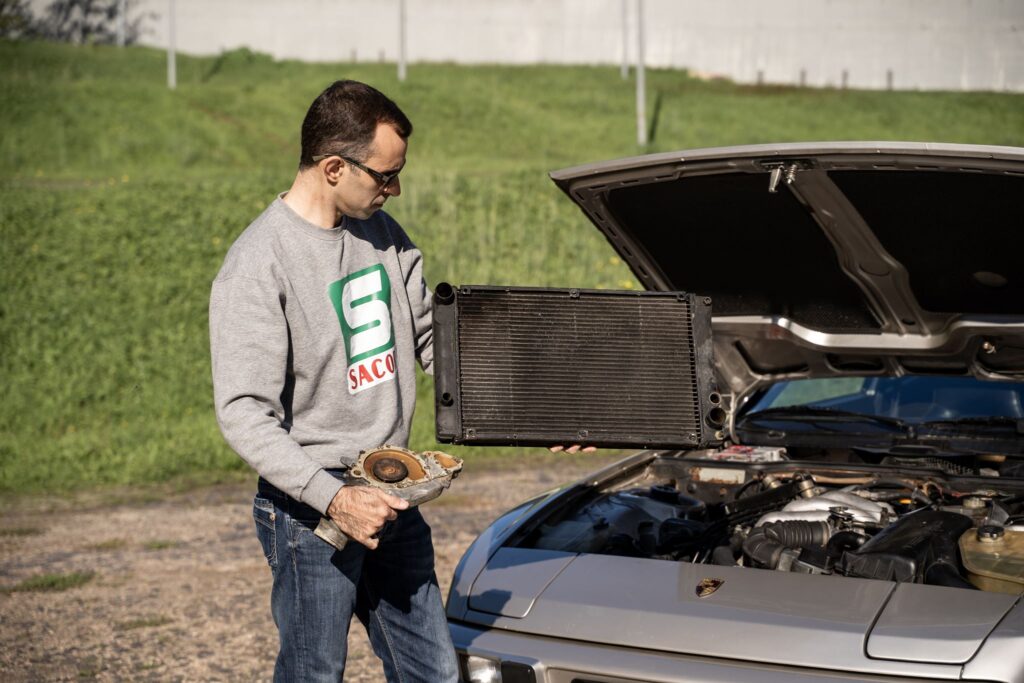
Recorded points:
(555, 660)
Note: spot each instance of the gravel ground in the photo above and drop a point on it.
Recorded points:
(180, 590)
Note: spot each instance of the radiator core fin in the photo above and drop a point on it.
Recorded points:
(518, 366)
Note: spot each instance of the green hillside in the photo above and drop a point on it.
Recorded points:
(119, 198)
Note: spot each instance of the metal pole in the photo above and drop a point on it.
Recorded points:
(121, 22)
(624, 71)
(172, 61)
(401, 40)
(641, 84)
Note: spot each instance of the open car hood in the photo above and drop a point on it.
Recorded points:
(829, 258)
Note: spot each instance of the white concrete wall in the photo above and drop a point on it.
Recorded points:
(924, 44)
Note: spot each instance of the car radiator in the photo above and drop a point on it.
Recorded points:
(530, 366)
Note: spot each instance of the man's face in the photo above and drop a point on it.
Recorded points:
(358, 194)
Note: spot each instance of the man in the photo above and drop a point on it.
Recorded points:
(317, 318)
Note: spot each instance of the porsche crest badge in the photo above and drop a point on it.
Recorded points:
(708, 586)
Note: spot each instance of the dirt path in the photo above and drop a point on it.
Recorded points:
(180, 589)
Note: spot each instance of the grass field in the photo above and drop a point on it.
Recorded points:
(119, 198)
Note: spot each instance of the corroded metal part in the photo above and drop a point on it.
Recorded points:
(389, 470)
(413, 477)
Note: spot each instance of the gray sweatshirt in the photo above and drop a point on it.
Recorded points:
(314, 335)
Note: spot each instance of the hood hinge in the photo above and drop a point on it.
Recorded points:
(783, 169)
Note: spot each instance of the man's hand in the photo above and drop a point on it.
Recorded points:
(572, 449)
(362, 511)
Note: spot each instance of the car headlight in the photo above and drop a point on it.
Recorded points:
(476, 669)
(482, 670)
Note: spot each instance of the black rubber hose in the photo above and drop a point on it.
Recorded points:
(726, 553)
(942, 574)
(766, 542)
(762, 549)
(744, 488)
(723, 555)
(843, 541)
(798, 533)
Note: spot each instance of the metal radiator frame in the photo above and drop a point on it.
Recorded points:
(450, 425)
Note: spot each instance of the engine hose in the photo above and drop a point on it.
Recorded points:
(921, 497)
(739, 493)
(942, 574)
(725, 554)
(843, 541)
(766, 542)
(798, 533)
(762, 549)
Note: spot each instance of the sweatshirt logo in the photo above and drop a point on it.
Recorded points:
(362, 301)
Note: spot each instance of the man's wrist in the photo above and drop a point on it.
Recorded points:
(321, 490)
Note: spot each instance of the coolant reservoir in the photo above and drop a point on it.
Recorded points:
(994, 558)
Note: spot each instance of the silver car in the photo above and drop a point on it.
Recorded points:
(860, 515)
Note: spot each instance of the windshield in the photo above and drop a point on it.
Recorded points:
(912, 400)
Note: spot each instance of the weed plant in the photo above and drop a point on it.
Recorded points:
(119, 199)
(51, 583)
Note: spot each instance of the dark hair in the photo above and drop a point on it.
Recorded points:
(343, 120)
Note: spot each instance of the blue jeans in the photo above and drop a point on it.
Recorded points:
(392, 590)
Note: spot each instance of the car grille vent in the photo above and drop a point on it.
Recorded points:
(521, 366)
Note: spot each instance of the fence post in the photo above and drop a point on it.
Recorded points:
(121, 22)
(172, 60)
(624, 69)
(401, 40)
(641, 84)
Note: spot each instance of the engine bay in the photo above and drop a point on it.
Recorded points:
(937, 521)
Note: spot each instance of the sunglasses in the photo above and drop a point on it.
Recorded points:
(384, 180)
